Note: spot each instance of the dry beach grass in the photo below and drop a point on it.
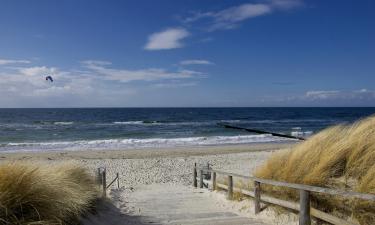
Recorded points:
(338, 157)
(32, 193)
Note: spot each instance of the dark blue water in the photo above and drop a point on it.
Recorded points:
(121, 128)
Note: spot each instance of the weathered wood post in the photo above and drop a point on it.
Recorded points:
(104, 182)
(99, 178)
(304, 211)
(118, 181)
(257, 197)
(230, 188)
(195, 175)
(213, 181)
(201, 179)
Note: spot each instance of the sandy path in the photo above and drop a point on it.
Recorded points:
(175, 204)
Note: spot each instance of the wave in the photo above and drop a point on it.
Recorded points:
(301, 133)
(63, 123)
(128, 122)
(163, 123)
(131, 143)
(47, 124)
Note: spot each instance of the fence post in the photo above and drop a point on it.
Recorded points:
(230, 188)
(195, 175)
(201, 179)
(304, 211)
(213, 181)
(104, 182)
(99, 177)
(118, 181)
(257, 197)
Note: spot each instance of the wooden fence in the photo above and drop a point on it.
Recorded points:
(303, 207)
(101, 178)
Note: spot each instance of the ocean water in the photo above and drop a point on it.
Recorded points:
(127, 128)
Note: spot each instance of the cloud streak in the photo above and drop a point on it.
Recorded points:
(94, 83)
(167, 39)
(230, 18)
(196, 62)
(333, 95)
(12, 61)
(125, 76)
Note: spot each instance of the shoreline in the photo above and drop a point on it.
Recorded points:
(142, 153)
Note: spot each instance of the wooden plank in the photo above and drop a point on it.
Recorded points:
(349, 194)
(292, 205)
(304, 211)
(104, 183)
(329, 218)
(213, 181)
(195, 175)
(98, 177)
(113, 181)
(230, 187)
(201, 179)
(257, 197)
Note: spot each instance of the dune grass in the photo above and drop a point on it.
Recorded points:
(44, 194)
(342, 157)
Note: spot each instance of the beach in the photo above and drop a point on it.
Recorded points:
(147, 166)
(143, 169)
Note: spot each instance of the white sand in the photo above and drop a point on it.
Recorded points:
(138, 168)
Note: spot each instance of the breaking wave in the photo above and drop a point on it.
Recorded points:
(132, 143)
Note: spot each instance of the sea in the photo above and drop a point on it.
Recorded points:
(129, 128)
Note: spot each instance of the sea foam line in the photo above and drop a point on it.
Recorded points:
(131, 143)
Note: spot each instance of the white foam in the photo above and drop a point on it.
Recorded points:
(132, 143)
(63, 123)
(301, 133)
(127, 122)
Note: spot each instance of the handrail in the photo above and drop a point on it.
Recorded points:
(118, 182)
(102, 180)
(304, 208)
(305, 187)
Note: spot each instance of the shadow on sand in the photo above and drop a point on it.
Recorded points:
(108, 214)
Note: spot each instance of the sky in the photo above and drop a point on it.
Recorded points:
(204, 53)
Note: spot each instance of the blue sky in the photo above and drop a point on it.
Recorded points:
(187, 53)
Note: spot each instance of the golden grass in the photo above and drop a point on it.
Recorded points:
(338, 157)
(44, 194)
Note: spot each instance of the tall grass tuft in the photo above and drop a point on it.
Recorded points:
(342, 157)
(44, 194)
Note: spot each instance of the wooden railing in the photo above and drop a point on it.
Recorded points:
(101, 179)
(303, 207)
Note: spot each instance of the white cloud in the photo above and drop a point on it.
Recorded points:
(362, 94)
(196, 62)
(11, 61)
(286, 4)
(166, 39)
(151, 74)
(38, 70)
(242, 12)
(231, 17)
(174, 85)
(322, 94)
(94, 83)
